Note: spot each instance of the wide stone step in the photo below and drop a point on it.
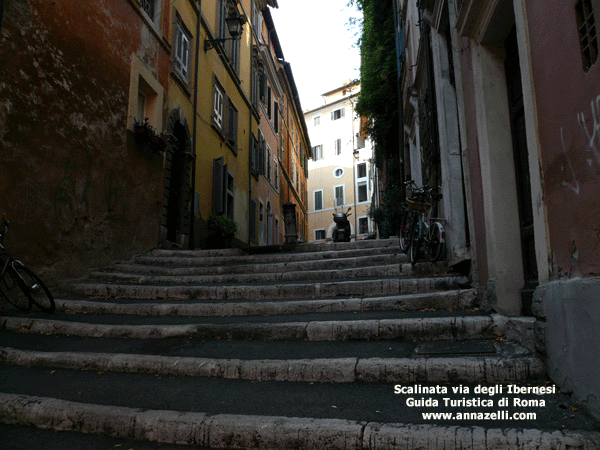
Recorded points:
(284, 290)
(444, 300)
(266, 267)
(240, 278)
(183, 258)
(507, 365)
(338, 429)
(419, 328)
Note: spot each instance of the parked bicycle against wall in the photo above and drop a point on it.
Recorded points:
(20, 285)
(419, 231)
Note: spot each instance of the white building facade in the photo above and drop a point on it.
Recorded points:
(341, 172)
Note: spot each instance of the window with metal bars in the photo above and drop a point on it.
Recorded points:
(588, 37)
(148, 6)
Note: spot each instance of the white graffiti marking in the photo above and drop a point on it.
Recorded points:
(565, 183)
(592, 135)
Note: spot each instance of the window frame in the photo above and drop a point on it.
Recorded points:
(318, 152)
(338, 114)
(320, 192)
(337, 145)
(181, 63)
(320, 230)
(335, 196)
(218, 111)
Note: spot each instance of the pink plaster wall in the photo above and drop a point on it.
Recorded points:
(568, 101)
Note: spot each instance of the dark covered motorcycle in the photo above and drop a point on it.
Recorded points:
(342, 231)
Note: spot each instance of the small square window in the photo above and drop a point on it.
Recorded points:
(317, 121)
(337, 114)
(319, 235)
(588, 38)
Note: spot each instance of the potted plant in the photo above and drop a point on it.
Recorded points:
(221, 230)
(147, 138)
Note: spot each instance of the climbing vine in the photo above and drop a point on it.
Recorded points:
(378, 102)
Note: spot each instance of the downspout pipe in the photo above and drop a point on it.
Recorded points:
(194, 125)
(399, 32)
(1, 15)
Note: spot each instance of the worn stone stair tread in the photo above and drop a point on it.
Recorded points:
(430, 328)
(184, 258)
(24, 437)
(509, 363)
(270, 432)
(270, 277)
(270, 291)
(264, 267)
(363, 402)
(243, 349)
(129, 319)
(460, 299)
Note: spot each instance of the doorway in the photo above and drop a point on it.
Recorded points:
(521, 160)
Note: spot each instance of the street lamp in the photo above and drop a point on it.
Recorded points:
(356, 154)
(235, 25)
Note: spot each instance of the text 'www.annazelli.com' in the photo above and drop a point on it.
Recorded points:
(496, 415)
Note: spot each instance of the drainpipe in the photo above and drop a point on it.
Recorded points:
(1, 15)
(194, 123)
(399, 63)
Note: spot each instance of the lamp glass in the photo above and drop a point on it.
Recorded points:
(235, 25)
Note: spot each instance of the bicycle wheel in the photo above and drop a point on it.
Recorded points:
(12, 292)
(436, 241)
(35, 288)
(405, 230)
(414, 251)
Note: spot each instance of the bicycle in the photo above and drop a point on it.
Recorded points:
(406, 223)
(426, 232)
(21, 287)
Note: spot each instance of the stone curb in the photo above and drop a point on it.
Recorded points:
(273, 433)
(426, 329)
(390, 286)
(488, 369)
(444, 300)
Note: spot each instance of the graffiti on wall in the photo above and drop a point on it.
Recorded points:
(591, 133)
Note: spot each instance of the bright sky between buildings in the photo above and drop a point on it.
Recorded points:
(319, 43)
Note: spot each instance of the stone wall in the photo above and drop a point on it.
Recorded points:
(75, 187)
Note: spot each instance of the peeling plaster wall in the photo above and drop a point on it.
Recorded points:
(568, 108)
(76, 189)
(568, 102)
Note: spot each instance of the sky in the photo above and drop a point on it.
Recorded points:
(317, 41)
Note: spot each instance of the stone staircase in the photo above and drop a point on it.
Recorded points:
(328, 346)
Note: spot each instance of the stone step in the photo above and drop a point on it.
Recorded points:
(182, 258)
(419, 328)
(286, 431)
(508, 365)
(264, 267)
(461, 299)
(383, 271)
(284, 290)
